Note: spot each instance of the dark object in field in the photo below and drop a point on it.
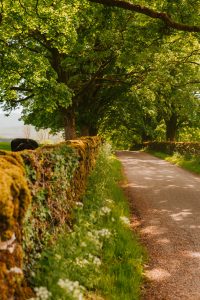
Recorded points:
(22, 144)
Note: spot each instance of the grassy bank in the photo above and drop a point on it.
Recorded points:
(5, 146)
(191, 163)
(99, 258)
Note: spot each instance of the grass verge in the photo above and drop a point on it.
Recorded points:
(100, 258)
(5, 146)
(191, 163)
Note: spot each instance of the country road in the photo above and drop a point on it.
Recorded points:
(167, 199)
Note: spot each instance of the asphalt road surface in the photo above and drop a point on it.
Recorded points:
(167, 200)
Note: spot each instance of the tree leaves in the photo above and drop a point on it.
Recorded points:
(98, 59)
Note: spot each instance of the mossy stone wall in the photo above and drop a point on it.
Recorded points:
(183, 148)
(38, 190)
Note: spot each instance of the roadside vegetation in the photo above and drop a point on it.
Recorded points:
(100, 257)
(190, 163)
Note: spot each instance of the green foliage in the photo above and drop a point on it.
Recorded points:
(105, 67)
(165, 100)
(188, 134)
(49, 172)
(100, 256)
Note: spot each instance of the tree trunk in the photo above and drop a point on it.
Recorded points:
(93, 131)
(84, 130)
(145, 137)
(171, 127)
(88, 130)
(69, 123)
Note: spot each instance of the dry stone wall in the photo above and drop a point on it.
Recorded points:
(183, 148)
(38, 190)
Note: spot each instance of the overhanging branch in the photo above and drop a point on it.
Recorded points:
(149, 12)
(19, 88)
(24, 99)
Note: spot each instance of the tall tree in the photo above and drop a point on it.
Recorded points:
(61, 59)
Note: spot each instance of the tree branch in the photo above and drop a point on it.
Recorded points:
(18, 88)
(24, 99)
(149, 12)
(94, 77)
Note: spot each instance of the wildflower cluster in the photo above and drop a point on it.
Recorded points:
(105, 211)
(72, 288)
(91, 259)
(41, 293)
(125, 221)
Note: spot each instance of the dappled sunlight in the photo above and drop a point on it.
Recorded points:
(180, 216)
(194, 226)
(163, 241)
(154, 222)
(192, 254)
(153, 230)
(157, 274)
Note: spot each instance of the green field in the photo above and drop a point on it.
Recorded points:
(5, 146)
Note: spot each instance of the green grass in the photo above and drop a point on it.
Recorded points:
(5, 146)
(189, 163)
(101, 254)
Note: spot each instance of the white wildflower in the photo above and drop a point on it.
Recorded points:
(105, 211)
(105, 233)
(42, 293)
(79, 204)
(81, 262)
(96, 261)
(16, 270)
(72, 287)
(93, 237)
(125, 221)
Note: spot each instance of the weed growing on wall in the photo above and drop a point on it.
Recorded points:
(100, 255)
(49, 174)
